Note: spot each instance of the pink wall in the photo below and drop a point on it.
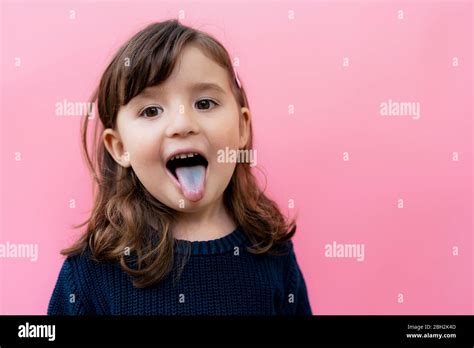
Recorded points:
(284, 61)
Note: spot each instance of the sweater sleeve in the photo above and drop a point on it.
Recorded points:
(66, 299)
(296, 300)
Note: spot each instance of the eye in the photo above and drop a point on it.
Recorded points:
(205, 104)
(151, 111)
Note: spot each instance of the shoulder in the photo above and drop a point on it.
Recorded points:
(284, 249)
(80, 262)
(78, 289)
(76, 270)
(87, 273)
(85, 267)
(285, 252)
(70, 296)
(281, 257)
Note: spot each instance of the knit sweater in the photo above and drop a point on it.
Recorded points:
(220, 277)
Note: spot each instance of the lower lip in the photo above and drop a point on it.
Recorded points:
(178, 185)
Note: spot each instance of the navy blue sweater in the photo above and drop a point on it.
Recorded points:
(220, 277)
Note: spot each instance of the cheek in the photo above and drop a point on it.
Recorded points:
(143, 154)
(224, 136)
(226, 132)
(146, 162)
(143, 147)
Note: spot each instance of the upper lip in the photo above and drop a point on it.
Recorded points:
(183, 151)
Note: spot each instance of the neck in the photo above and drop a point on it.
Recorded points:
(210, 222)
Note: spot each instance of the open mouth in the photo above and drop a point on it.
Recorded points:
(189, 170)
(185, 160)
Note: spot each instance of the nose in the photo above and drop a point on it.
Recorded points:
(182, 123)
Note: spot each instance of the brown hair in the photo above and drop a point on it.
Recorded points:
(125, 215)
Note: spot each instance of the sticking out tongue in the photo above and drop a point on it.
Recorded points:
(191, 180)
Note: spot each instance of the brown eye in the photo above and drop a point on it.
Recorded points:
(205, 104)
(151, 111)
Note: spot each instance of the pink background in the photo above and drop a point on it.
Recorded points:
(283, 61)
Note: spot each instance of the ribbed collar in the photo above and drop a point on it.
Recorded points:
(214, 246)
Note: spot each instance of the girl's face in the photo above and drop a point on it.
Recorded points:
(192, 112)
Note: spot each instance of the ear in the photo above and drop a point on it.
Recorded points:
(115, 147)
(244, 127)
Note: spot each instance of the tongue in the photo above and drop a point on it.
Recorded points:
(191, 180)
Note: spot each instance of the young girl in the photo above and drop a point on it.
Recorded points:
(175, 230)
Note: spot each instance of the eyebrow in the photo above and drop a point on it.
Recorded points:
(195, 87)
(205, 86)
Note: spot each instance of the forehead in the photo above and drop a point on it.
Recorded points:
(194, 64)
(194, 72)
